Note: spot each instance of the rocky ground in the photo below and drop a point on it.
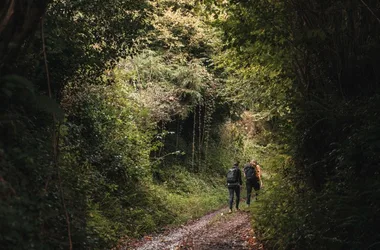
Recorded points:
(218, 230)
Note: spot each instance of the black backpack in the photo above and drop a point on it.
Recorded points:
(232, 175)
(250, 173)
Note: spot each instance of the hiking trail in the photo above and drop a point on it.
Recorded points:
(218, 230)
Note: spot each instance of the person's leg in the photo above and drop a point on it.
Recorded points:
(237, 190)
(257, 188)
(249, 191)
(231, 200)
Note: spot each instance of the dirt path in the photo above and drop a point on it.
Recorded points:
(215, 231)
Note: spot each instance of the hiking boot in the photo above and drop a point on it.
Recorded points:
(230, 211)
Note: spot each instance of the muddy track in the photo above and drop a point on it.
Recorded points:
(215, 231)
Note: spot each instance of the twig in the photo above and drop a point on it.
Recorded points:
(193, 144)
(370, 10)
(55, 138)
(4, 182)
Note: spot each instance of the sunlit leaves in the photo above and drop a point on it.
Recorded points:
(166, 87)
(256, 56)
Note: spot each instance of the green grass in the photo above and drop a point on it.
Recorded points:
(188, 196)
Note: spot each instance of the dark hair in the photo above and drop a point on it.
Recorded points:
(237, 162)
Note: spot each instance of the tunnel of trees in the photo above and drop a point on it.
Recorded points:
(120, 117)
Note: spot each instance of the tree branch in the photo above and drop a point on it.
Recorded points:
(370, 10)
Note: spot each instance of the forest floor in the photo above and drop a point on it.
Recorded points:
(218, 230)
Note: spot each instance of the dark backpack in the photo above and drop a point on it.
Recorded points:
(250, 173)
(232, 175)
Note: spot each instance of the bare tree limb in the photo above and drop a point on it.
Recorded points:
(370, 10)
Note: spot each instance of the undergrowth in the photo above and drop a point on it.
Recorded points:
(189, 196)
(338, 213)
(184, 196)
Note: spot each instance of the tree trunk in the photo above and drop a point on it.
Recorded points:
(18, 20)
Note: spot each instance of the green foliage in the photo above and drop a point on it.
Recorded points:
(157, 104)
(99, 182)
(105, 147)
(189, 196)
(84, 36)
(310, 66)
(168, 88)
(181, 30)
(256, 56)
(27, 202)
(173, 76)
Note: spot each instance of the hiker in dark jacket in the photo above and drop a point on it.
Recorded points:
(252, 174)
(234, 182)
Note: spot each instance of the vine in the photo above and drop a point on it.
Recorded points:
(193, 144)
(208, 111)
(55, 138)
(199, 136)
